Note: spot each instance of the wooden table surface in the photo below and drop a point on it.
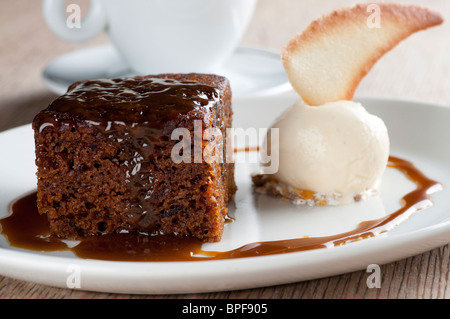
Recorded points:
(418, 70)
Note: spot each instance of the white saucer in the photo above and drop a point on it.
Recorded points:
(250, 71)
(418, 132)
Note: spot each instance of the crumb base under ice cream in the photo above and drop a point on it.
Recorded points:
(265, 184)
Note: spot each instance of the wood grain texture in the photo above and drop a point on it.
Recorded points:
(416, 70)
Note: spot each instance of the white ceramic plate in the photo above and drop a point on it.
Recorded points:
(250, 71)
(419, 133)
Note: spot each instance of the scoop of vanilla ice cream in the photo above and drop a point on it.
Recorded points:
(334, 148)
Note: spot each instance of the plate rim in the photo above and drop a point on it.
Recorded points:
(59, 88)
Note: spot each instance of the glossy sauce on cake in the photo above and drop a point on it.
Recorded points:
(154, 101)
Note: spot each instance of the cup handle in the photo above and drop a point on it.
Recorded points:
(90, 26)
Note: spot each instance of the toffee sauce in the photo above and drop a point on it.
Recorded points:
(25, 228)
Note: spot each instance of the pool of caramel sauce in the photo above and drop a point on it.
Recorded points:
(25, 228)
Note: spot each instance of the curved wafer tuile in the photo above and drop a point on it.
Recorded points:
(327, 61)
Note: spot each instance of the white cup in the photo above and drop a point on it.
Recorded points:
(157, 36)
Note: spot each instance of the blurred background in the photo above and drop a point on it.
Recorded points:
(418, 69)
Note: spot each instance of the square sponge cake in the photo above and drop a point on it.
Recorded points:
(105, 157)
